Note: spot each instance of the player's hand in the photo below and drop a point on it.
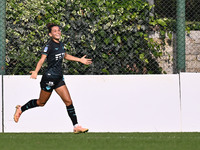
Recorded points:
(33, 74)
(85, 60)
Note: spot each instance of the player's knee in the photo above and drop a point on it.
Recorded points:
(40, 104)
(68, 102)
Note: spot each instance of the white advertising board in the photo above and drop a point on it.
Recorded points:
(190, 93)
(1, 113)
(111, 103)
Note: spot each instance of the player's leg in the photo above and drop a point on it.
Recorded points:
(44, 96)
(63, 92)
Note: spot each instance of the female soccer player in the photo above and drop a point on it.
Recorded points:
(53, 77)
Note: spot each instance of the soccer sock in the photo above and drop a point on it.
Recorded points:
(31, 104)
(72, 114)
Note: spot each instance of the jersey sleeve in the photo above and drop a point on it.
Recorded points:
(46, 50)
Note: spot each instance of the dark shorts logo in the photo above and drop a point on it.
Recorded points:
(48, 87)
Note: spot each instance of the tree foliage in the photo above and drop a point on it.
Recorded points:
(114, 33)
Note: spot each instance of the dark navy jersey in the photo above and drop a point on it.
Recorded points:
(55, 53)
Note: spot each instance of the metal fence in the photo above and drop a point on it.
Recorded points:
(189, 58)
(121, 37)
(2, 36)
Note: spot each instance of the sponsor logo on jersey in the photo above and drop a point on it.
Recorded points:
(56, 48)
(59, 56)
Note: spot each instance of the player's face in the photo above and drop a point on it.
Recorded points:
(55, 33)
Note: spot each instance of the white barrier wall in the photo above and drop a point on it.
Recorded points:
(0, 103)
(190, 93)
(114, 103)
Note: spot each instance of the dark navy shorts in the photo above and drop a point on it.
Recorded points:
(48, 84)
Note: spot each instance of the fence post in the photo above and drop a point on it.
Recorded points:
(2, 35)
(2, 49)
(180, 35)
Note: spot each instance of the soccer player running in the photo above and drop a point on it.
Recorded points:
(53, 77)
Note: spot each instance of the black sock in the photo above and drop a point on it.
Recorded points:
(31, 104)
(72, 114)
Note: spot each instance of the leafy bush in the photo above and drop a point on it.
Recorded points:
(113, 33)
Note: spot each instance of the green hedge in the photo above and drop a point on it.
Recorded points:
(113, 33)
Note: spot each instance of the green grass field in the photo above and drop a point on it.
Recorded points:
(100, 141)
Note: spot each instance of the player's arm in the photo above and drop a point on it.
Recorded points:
(38, 67)
(82, 59)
